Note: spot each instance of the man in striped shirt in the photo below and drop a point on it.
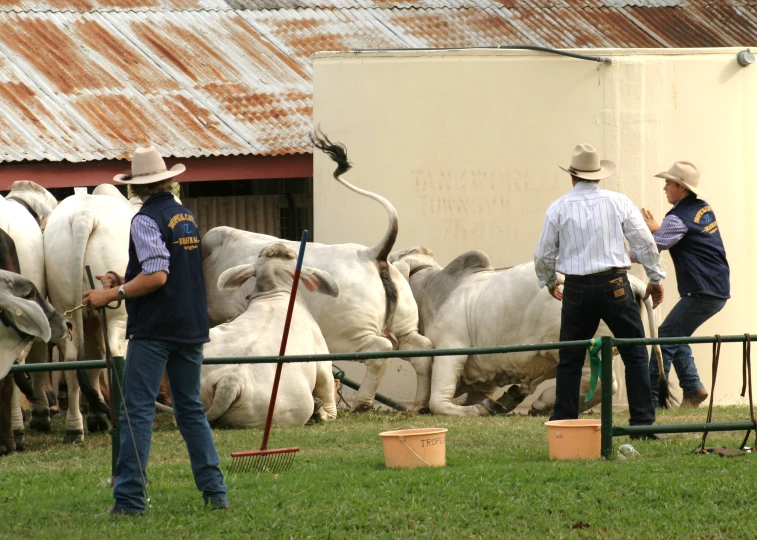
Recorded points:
(583, 238)
(164, 291)
(692, 235)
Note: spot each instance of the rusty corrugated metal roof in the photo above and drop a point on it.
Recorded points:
(84, 80)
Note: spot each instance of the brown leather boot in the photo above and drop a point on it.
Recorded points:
(692, 401)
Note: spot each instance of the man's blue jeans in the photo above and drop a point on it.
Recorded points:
(683, 320)
(586, 300)
(146, 360)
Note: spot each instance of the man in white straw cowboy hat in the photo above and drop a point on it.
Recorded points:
(164, 290)
(582, 238)
(692, 235)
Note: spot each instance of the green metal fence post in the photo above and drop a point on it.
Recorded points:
(116, 388)
(607, 344)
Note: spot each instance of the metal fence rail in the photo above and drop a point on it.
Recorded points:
(608, 343)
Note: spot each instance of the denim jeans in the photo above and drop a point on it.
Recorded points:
(146, 360)
(586, 300)
(682, 321)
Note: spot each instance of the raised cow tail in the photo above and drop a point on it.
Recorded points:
(338, 153)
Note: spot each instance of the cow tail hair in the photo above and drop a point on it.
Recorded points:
(338, 153)
(23, 382)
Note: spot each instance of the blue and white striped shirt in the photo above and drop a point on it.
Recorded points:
(152, 252)
(584, 233)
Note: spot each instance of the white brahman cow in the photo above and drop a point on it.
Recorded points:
(87, 230)
(238, 395)
(26, 317)
(22, 213)
(375, 310)
(469, 304)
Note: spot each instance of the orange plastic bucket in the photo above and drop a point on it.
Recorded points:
(410, 448)
(574, 439)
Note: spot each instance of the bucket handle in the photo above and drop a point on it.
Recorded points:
(402, 440)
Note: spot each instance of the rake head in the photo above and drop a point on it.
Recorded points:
(273, 461)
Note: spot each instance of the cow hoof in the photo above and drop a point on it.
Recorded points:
(54, 410)
(362, 407)
(422, 410)
(40, 422)
(97, 423)
(18, 436)
(493, 408)
(73, 436)
(539, 412)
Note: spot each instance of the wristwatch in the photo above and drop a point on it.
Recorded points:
(121, 293)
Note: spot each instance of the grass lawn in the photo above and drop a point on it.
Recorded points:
(498, 483)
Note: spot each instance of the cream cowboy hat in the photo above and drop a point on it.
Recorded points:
(148, 167)
(683, 173)
(586, 164)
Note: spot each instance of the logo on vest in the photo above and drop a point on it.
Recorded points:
(187, 228)
(705, 216)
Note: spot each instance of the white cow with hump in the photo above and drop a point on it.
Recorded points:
(469, 304)
(375, 310)
(238, 394)
(23, 211)
(87, 230)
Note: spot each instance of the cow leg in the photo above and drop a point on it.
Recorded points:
(17, 418)
(374, 372)
(7, 441)
(40, 405)
(422, 367)
(324, 390)
(74, 419)
(444, 379)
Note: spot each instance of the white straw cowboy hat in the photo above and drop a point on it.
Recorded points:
(586, 164)
(148, 167)
(683, 173)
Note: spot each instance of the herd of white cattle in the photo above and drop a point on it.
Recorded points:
(354, 299)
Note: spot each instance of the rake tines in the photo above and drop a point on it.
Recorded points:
(273, 461)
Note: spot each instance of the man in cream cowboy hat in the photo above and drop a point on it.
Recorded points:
(692, 235)
(582, 238)
(164, 290)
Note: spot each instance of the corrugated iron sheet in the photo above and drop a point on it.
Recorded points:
(84, 80)
(256, 213)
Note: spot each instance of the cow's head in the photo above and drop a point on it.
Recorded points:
(273, 272)
(37, 199)
(409, 261)
(24, 317)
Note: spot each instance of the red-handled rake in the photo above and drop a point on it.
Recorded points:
(281, 459)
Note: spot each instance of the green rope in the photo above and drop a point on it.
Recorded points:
(595, 345)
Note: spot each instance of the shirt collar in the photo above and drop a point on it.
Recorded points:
(586, 186)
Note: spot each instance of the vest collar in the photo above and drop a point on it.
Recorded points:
(157, 197)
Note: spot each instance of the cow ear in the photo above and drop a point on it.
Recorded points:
(25, 315)
(404, 268)
(318, 281)
(233, 278)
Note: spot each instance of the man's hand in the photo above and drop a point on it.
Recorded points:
(656, 292)
(99, 297)
(555, 291)
(650, 220)
(109, 281)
